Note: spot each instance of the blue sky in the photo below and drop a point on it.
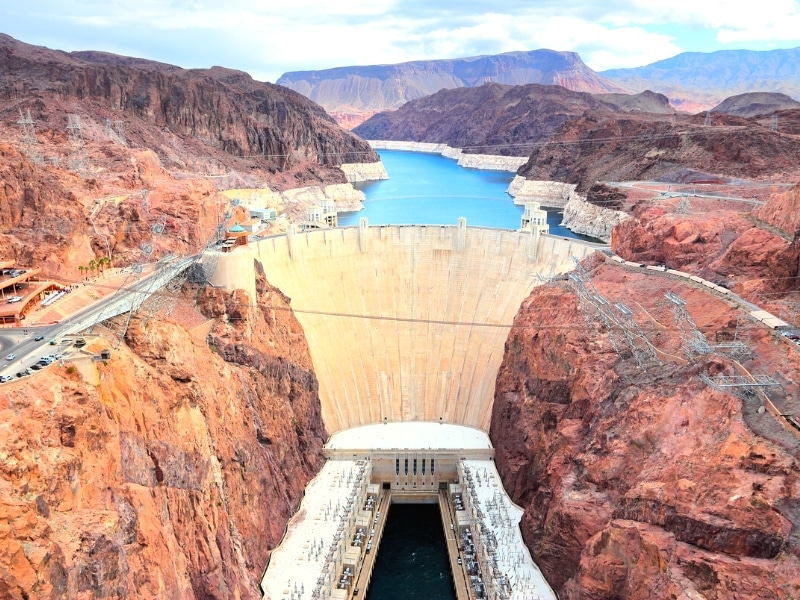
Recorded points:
(269, 37)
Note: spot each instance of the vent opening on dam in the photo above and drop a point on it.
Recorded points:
(406, 326)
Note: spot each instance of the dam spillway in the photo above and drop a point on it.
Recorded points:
(404, 323)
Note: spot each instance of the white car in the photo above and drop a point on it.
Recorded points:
(11, 357)
(14, 299)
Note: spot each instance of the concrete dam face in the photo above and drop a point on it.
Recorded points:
(404, 323)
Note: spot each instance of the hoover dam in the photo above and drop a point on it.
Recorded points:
(406, 327)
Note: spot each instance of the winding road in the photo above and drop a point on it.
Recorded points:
(20, 341)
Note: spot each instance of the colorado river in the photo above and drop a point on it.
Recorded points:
(412, 561)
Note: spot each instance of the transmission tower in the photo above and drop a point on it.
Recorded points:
(116, 131)
(773, 124)
(30, 145)
(77, 150)
(694, 341)
(746, 386)
(707, 121)
(623, 331)
(684, 206)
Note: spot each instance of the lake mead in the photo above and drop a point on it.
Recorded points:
(429, 189)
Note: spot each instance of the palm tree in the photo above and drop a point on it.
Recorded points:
(92, 265)
(81, 268)
(106, 261)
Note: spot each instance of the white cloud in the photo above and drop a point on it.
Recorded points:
(269, 38)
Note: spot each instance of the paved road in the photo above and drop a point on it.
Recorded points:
(28, 351)
(643, 185)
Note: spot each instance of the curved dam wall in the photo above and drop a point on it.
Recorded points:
(406, 323)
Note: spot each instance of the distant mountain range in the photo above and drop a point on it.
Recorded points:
(351, 94)
(699, 80)
(582, 138)
(693, 81)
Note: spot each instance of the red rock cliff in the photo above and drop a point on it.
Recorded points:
(224, 113)
(645, 484)
(175, 475)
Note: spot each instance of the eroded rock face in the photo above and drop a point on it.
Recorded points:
(782, 210)
(641, 484)
(599, 146)
(722, 246)
(222, 109)
(175, 476)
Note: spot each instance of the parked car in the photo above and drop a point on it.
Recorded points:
(22, 374)
(4, 378)
(11, 357)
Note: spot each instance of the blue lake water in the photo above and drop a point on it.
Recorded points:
(429, 189)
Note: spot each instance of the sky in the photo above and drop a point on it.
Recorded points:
(268, 37)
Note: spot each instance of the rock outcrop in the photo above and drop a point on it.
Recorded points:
(356, 172)
(174, 475)
(753, 104)
(644, 484)
(595, 219)
(782, 210)
(589, 219)
(722, 246)
(546, 193)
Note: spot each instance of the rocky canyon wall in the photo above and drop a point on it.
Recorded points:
(171, 477)
(643, 484)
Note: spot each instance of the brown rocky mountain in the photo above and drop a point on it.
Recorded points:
(646, 484)
(644, 102)
(489, 119)
(607, 147)
(696, 81)
(754, 104)
(352, 94)
(582, 138)
(185, 134)
(201, 118)
(140, 481)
